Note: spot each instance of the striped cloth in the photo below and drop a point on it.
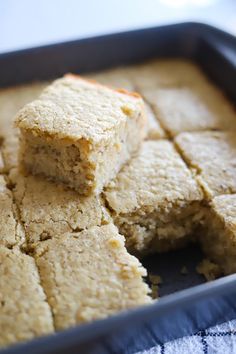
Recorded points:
(220, 339)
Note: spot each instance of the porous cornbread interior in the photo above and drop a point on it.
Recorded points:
(219, 238)
(45, 267)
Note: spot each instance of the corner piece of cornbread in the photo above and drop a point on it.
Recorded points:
(11, 230)
(48, 209)
(197, 107)
(154, 199)
(80, 133)
(89, 275)
(219, 240)
(213, 157)
(25, 314)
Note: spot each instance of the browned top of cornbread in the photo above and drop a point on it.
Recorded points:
(23, 307)
(213, 156)
(191, 108)
(73, 108)
(89, 275)
(48, 209)
(157, 178)
(11, 231)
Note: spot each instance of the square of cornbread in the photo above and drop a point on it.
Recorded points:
(155, 201)
(25, 314)
(48, 209)
(11, 230)
(196, 107)
(219, 239)
(80, 133)
(89, 275)
(120, 78)
(164, 72)
(11, 100)
(212, 155)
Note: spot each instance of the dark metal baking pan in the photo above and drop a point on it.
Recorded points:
(179, 312)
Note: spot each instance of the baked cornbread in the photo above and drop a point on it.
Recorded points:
(115, 78)
(11, 100)
(167, 72)
(219, 240)
(120, 77)
(11, 231)
(213, 157)
(80, 133)
(48, 210)
(154, 199)
(154, 129)
(191, 108)
(24, 312)
(2, 165)
(89, 275)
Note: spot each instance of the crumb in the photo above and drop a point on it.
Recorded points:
(209, 270)
(184, 270)
(155, 281)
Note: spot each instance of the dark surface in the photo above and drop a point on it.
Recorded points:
(169, 267)
(181, 313)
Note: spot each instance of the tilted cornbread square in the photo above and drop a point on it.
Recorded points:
(191, 108)
(48, 210)
(11, 100)
(25, 314)
(213, 157)
(155, 201)
(11, 231)
(89, 275)
(120, 78)
(167, 72)
(219, 239)
(80, 133)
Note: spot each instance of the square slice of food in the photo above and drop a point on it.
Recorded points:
(48, 209)
(24, 311)
(191, 108)
(11, 230)
(80, 133)
(89, 275)
(213, 157)
(165, 72)
(155, 201)
(219, 240)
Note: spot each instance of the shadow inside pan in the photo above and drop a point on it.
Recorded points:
(169, 266)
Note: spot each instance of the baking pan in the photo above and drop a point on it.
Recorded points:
(179, 312)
